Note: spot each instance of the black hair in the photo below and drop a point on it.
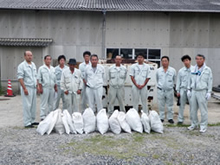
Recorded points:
(165, 57)
(140, 54)
(186, 57)
(94, 55)
(61, 57)
(86, 53)
(200, 55)
(45, 57)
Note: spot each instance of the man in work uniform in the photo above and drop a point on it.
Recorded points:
(165, 77)
(117, 77)
(94, 79)
(71, 83)
(199, 89)
(140, 75)
(46, 86)
(82, 67)
(58, 72)
(27, 77)
(182, 85)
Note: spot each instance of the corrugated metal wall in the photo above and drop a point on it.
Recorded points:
(74, 32)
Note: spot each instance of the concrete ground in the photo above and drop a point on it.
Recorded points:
(11, 111)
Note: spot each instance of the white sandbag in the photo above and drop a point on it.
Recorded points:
(53, 121)
(66, 125)
(70, 122)
(155, 122)
(59, 127)
(114, 124)
(123, 123)
(89, 121)
(78, 122)
(102, 121)
(44, 125)
(145, 121)
(134, 121)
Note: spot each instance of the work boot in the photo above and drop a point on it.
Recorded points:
(171, 121)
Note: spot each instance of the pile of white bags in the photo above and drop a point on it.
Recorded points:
(63, 122)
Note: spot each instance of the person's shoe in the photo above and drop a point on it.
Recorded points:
(35, 123)
(29, 126)
(171, 121)
(180, 123)
(162, 120)
(203, 130)
(191, 128)
(41, 119)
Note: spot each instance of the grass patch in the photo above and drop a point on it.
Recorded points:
(155, 156)
(137, 137)
(213, 125)
(108, 146)
(19, 128)
(187, 125)
(176, 125)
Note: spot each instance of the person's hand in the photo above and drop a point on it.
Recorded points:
(25, 91)
(208, 95)
(79, 92)
(141, 86)
(138, 86)
(55, 88)
(66, 92)
(189, 93)
(40, 90)
(178, 94)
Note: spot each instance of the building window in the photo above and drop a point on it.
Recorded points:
(152, 55)
(126, 53)
(112, 52)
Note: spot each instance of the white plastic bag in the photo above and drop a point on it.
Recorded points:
(102, 121)
(70, 122)
(66, 125)
(145, 121)
(134, 121)
(78, 122)
(123, 123)
(114, 124)
(155, 122)
(89, 121)
(44, 125)
(53, 121)
(59, 127)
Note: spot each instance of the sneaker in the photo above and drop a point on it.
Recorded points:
(191, 128)
(203, 130)
(171, 121)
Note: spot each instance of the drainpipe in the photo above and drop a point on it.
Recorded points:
(103, 34)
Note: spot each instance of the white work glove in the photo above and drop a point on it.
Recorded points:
(208, 95)
(189, 93)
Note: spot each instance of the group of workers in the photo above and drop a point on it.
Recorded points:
(83, 87)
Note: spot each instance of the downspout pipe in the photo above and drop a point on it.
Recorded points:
(103, 33)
